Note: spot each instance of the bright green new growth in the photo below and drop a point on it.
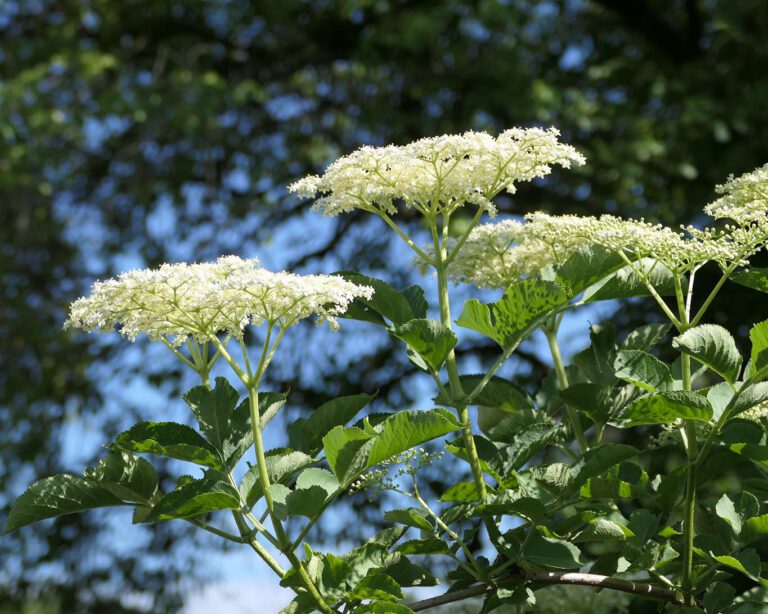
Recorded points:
(586, 512)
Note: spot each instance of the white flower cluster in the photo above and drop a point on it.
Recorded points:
(498, 255)
(437, 174)
(756, 413)
(744, 199)
(178, 301)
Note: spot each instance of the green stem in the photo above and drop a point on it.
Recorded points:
(454, 382)
(550, 332)
(688, 433)
(282, 538)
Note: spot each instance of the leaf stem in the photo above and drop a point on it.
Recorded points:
(550, 332)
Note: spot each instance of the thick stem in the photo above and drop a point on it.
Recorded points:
(454, 382)
(550, 332)
(282, 538)
(553, 577)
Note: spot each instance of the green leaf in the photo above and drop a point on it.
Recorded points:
(462, 492)
(726, 509)
(754, 528)
(430, 340)
(406, 573)
(753, 277)
(714, 347)
(382, 607)
(596, 362)
(406, 429)
(666, 408)
(646, 337)
(307, 433)
(507, 504)
(397, 307)
(498, 393)
(643, 370)
(758, 335)
(552, 553)
(377, 586)
(718, 597)
(519, 311)
(625, 283)
(593, 400)
(56, 496)
(597, 461)
(350, 451)
(410, 517)
(281, 463)
(194, 498)
(314, 487)
(128, 477)
(601, 530)
(644, 525)
(169, 439)
(749, 397)
(585, 267)
(747, 562)
(212, 408)
(430, 545)
(347, 451)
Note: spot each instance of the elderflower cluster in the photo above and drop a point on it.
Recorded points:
(756, 413)
(498, 255)
(177, 301)
(437, 174)
(744, 199)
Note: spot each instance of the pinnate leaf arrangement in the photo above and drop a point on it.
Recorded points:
(540, 479)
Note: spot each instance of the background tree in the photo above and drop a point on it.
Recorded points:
(143, 131)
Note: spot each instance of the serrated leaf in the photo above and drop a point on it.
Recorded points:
(169, 439)
(212, 408)
(749, 397)
(597, 461)
(726, 509)
(506, 504)
(591, 399)
(519, 311)
(410, 517)
(406, 573)
(552, 553)
(646, 337)
(714, 347)
(754, 528)
(644, 525)
(281, 463)
(128, 477)
(314, 487)
(56, 496)
(377, 586)
(758, 335)
(666, 408)
(498, 392)
(430, 340)
(586, 266)
(430, 545)
(387, 302)
(601, 530)
(406, 429)
(747, 562)
(718, 597)
(643, 370)
(596, 362)
(307, 433)
(194, 498)
(753, 277)
(461, 492)
(382, 607)
(625, 283)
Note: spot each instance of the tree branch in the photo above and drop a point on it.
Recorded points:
(552, 577)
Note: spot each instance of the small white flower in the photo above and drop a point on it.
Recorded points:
(744, 199)
(437, 174)
(177, 301)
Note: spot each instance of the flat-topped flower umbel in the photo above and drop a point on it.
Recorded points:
(439, 174)
(177, 301)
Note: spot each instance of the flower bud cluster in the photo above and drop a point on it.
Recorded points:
(178, 301)
(744, 199)
(437, 174)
